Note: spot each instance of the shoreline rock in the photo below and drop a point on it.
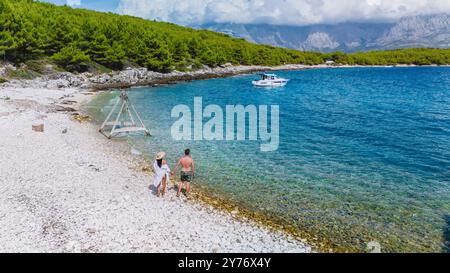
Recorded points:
(133, 77)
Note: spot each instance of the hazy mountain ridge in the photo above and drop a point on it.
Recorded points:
(415, 31)
(420, 31)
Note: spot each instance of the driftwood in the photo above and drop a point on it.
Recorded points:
(38, 128)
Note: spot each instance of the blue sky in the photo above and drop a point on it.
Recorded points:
(100, 5)
(277, 12)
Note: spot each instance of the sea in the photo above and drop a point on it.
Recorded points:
(362, 161)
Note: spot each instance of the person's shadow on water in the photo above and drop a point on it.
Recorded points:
(446, 246)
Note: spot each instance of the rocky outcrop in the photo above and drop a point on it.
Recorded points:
(418, 31)
(321, 41)
(5, 68)
(54, 81)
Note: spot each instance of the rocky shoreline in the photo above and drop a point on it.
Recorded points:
(134, 77)
(143, 77)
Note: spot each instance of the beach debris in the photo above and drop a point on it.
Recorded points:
(38, 127)
(60, 108)
(91, 231)
(93, 167)
(81, 118)
(64, 131)
(146, 169)
(68, 102)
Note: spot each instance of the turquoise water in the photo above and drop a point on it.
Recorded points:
(364, 153)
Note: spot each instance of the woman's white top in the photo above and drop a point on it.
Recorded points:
(159, 174)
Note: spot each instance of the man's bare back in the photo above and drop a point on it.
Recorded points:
(187, 163)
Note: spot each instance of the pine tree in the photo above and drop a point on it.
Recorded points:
(72, 58)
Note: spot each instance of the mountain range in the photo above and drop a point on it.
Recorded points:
(431, 31)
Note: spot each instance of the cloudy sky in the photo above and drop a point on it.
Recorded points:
(280, 12)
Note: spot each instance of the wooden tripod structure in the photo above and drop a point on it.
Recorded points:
(125, 121)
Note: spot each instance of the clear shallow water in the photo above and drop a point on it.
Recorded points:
(364, 153)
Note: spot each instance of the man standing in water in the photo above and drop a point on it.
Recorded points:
(187, 172)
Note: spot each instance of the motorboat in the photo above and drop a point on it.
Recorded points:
(270, 80)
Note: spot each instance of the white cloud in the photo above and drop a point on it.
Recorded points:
(282, 12)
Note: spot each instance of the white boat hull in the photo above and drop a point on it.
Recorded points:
(266, 83)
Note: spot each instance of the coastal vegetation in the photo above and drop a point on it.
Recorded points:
(80, 40)
(408, 56)
(76, 38)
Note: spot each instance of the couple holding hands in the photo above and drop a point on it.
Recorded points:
(163, 173)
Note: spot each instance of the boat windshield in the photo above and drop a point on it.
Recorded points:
(268, 77)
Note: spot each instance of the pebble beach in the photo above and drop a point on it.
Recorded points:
(69, 189)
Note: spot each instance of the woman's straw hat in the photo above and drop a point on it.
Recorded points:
(160, 155)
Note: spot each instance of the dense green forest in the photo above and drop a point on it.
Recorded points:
(417, 56)
(78, 40)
